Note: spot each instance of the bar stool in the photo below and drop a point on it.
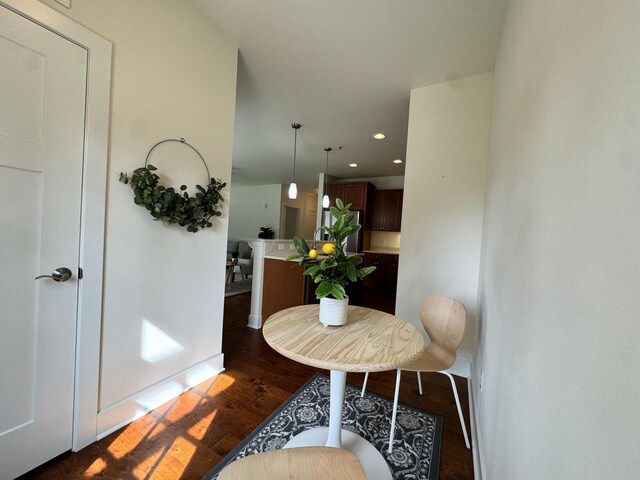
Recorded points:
(444, 319)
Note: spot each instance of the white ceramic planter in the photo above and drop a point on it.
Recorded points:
(333, 312)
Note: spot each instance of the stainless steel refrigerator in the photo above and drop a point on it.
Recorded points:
(354, 241)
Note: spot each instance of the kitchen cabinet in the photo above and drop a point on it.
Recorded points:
(385, 275)
(386, 210)
(335, 191)
(275, 296)
(357, 194)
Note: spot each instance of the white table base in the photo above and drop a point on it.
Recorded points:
(373, 463)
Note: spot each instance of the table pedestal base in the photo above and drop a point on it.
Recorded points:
(373, 463)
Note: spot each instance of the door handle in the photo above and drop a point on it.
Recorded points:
(60, 274)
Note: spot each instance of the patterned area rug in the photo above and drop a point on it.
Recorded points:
(237, 288)
(416, 451)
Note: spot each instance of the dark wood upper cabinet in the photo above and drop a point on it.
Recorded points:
(356, 195)
(335, 191)
(377, 210)
(386, 210)
(393, 210)
(359, 195)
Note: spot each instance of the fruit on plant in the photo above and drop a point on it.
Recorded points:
(328, 248)
(313, 254)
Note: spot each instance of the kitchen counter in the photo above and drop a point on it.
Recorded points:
(386, 250)
(275, 256)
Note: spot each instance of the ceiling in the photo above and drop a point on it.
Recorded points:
(344, 70)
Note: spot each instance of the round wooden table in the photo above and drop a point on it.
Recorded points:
(371, 341)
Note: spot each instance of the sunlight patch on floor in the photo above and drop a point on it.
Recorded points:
(142, 430)
(174, 459)
(217, 384)
(96, 468)
(201, 427)
(168, 402)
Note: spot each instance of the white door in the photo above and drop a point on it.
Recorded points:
(42, 118)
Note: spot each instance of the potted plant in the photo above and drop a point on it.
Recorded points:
(333, 269)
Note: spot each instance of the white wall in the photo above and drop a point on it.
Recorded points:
(174, 75)
(447, 149)
(247, 211)
(561, 251)
(307, 203)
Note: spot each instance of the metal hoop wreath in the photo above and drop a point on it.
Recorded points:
(184, 142)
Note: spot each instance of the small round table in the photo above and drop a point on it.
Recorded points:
(371, 341)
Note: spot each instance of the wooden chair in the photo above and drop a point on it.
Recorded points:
(444, 319)
(308, 463)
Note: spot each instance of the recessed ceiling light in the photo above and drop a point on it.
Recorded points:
(379, 136)
(353, 165)
(397, 160)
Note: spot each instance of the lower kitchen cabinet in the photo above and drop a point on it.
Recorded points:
(283, 287)
(385, 275)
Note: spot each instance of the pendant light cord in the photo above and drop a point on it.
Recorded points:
(326, 171)
(296, 127)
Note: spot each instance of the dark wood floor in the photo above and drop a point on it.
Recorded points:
(186, 437)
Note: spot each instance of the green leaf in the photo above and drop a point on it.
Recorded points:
(301, 245)
(328, 262)
(351, 271)
(323, 289)
(339, 204)
(355, 259)
(364, 271)
(293, 256)
(314, 270)
(337, 291)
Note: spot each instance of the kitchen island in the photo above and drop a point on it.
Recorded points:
(277, 284)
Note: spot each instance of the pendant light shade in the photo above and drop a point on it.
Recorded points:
(325, 198)
(293, 188)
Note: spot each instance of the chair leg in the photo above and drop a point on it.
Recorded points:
(419, 383)
(395, 411)
(364, 384)
(455, 394)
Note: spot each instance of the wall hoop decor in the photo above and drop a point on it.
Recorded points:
(170, 206)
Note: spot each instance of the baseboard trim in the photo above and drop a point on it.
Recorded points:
(255, 321)
(125, 411)
(476, 448)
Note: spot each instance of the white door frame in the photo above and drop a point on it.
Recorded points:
(92, 226)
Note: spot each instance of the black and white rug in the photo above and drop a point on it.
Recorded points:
(237, 288)
(416, 450)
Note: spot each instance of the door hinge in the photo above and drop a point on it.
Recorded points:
(80, 273)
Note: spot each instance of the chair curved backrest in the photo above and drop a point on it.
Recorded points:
(444, 319)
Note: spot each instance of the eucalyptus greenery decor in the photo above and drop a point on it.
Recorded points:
(336, 269)
(169, 206)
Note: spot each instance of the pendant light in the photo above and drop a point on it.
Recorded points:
(293, 188)
(325, 198)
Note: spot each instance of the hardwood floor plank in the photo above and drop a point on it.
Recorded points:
(187, 436)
